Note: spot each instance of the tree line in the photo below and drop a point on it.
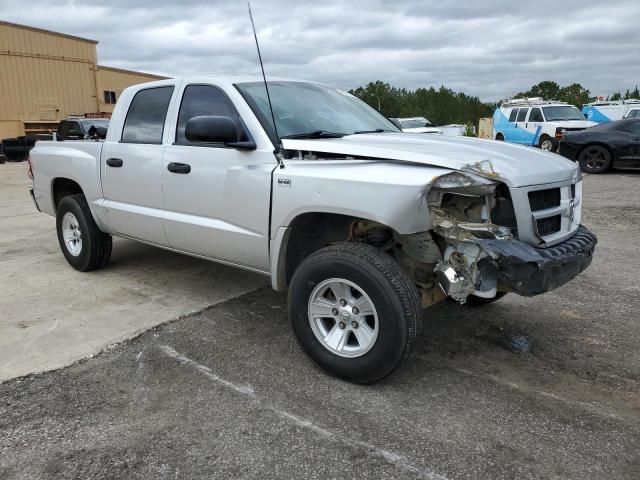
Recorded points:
(445, 106)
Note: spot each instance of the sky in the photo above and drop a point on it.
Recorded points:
(490, 49)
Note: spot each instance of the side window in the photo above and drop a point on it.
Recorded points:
(146, 116)
(200, 100)
(74, 129)
(634, 113)
(512, 117)
(109, 97)
(63, 129)
(536, 115)
(522, 114)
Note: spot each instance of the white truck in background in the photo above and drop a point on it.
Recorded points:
(363, 225)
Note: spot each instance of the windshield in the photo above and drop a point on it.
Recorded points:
(562, 112)
(415, 123)
(303, 108)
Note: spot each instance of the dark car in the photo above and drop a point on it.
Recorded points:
(82, 128)
(615, 144)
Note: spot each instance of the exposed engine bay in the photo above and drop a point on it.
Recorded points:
(447, 261)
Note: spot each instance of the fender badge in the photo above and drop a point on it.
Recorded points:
(284, 182)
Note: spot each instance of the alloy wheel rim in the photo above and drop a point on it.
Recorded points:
(71, 234)
(343, 318)
(594, 158)
(546, 145)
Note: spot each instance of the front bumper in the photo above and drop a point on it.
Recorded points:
(530, 271)
(568, 150)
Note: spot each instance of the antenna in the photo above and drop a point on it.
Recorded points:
(264, 78)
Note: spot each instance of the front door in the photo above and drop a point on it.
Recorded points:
(535, 121)
(217, 201)
(132, 169)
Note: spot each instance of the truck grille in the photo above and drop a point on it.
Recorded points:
(554, 211)
(544, 199)
(549, 225)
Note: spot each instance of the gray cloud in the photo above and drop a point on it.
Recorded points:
(490, 49)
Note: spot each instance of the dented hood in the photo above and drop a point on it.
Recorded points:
(515, 165)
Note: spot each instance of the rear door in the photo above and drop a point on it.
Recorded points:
(218, 207)
(132, 168)
(520, 133)
(509, 128)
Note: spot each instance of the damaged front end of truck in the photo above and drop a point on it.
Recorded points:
(475, 233)
(475, 227)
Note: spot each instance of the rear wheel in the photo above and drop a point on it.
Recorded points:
(82, 243)
(594, 159)
(500, 137)
(354, 311)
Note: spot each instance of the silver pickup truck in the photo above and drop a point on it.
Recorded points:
(364, 225)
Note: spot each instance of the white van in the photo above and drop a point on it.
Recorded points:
(610, 111)
(536, 122)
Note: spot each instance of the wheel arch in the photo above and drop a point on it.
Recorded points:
(307, 233)
(62, 187)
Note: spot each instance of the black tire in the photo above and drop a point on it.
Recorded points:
(594, 159)
(393, 294)
(500, 137)
(548, 144)
(95, 250)
(474, 301)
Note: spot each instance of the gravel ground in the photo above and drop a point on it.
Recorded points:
(227, 393)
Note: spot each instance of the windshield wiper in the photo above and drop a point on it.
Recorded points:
(377, 130)
(316, 134)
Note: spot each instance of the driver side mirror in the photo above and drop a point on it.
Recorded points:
(216, 129)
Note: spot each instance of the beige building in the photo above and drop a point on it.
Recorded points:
(47, 76)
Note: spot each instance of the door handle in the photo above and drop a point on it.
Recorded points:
(175, 167)
(114, 162)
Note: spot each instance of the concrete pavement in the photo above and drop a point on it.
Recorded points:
(52, 315)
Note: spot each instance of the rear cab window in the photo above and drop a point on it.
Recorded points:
(514, 113)
(146, 116)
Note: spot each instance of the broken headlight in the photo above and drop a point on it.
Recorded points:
(461, 206)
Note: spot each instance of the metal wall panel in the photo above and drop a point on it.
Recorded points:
(31, 88)
(47, 76)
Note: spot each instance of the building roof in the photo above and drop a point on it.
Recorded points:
(48, 32)
(132, 72)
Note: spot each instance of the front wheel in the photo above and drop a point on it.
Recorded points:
(548, 144)
(82, 243)
(354, 311)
